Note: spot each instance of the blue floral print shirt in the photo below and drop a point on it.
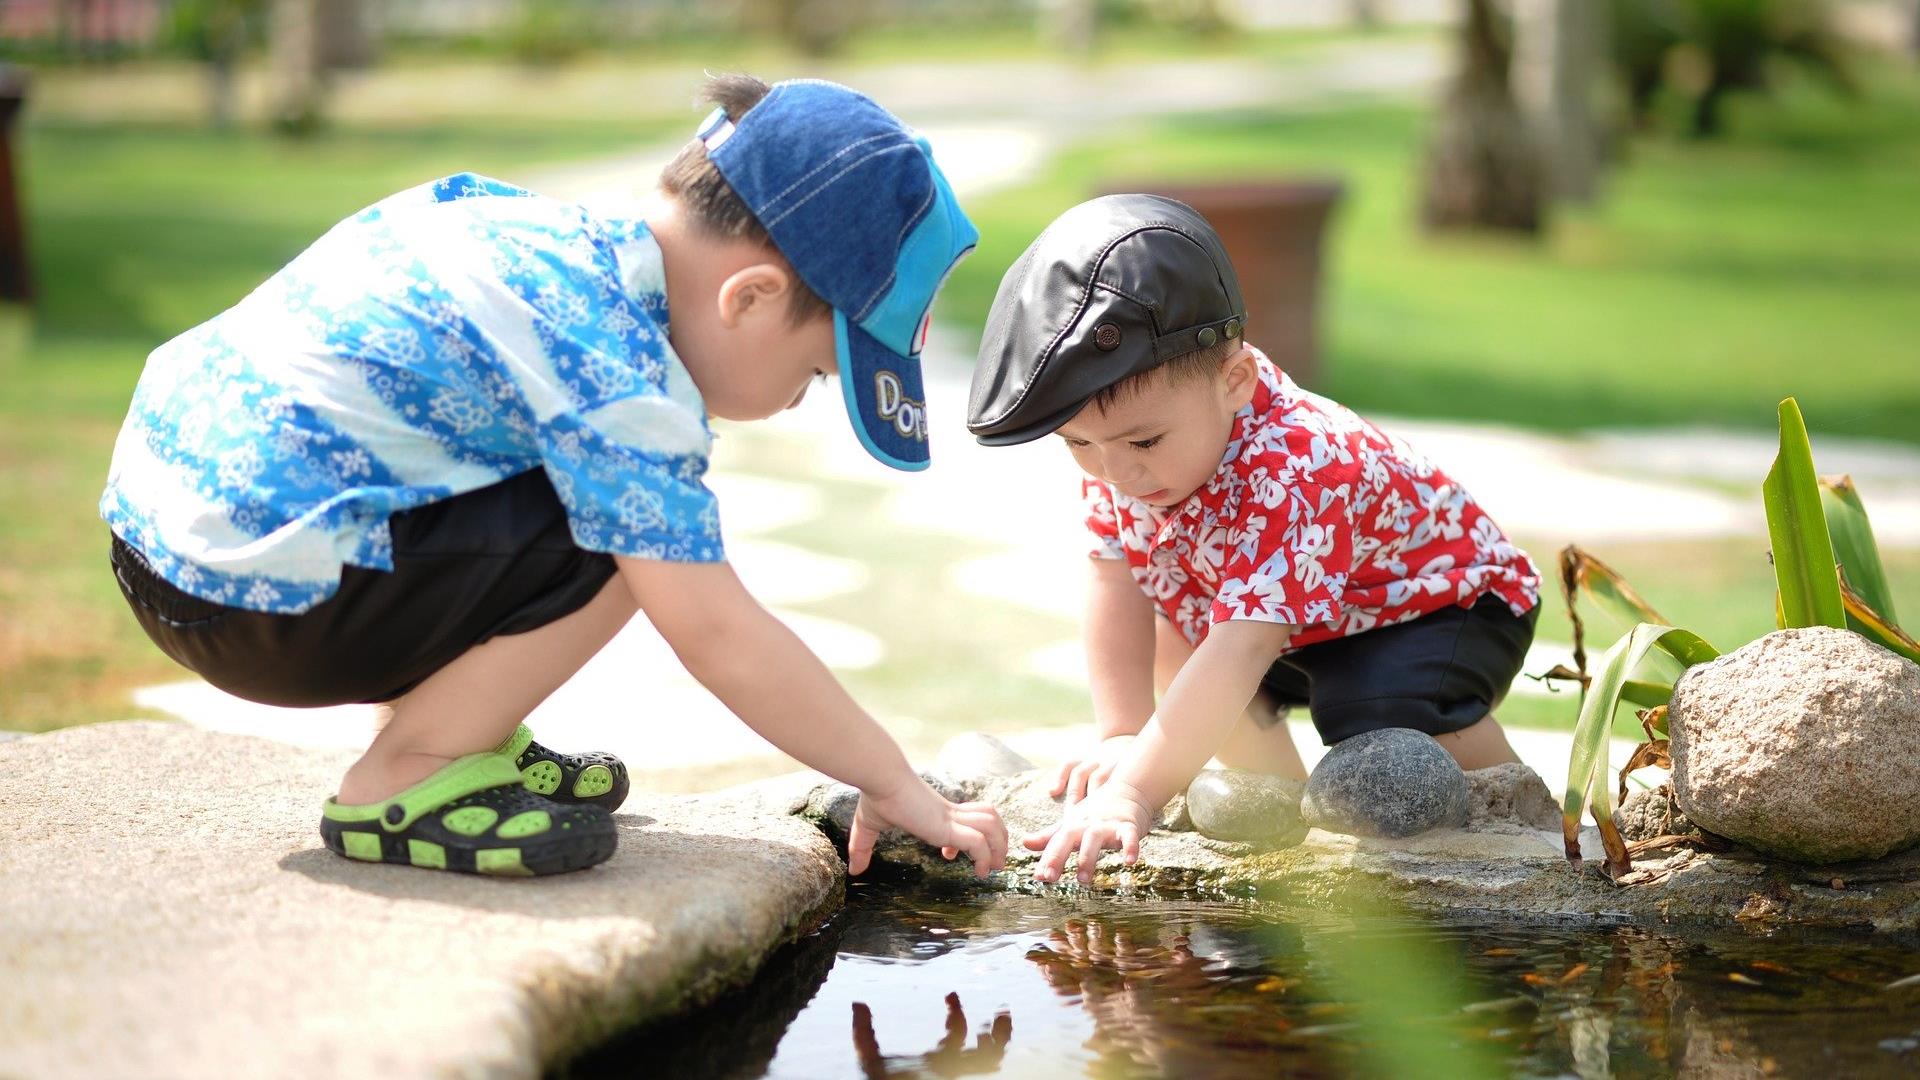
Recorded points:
(444, 339)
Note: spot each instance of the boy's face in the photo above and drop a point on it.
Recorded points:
(742, 347)
(1163, 441)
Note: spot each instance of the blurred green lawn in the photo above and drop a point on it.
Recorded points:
(1712, 280)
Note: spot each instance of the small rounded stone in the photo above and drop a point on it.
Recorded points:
(1253, 808)
(1393, 783)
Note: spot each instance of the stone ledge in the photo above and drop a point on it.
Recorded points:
(170, 912)
(1497, 866)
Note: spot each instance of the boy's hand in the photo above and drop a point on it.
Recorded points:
(1081, 778)
(974, 828)
(1114, 817)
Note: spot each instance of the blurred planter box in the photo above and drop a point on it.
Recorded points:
(1273, 232)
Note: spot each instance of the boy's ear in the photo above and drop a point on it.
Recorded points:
(752, 291)
(1242, 373)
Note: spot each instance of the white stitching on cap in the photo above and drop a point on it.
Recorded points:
(823, 185)
(844, 151)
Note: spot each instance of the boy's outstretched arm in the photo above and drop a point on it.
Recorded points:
(1194, 718)
(1118, 635)
(771, 680)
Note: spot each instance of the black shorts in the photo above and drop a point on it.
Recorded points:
(1442, 672)
(499, 560)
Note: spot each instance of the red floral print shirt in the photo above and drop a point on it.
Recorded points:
(1316, 518)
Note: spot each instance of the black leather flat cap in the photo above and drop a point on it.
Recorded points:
(1112, 288)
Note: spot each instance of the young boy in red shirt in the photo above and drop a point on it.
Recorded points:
(1293, 553)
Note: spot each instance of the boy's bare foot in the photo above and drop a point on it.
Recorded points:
(376, 778)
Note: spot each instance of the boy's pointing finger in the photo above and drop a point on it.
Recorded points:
(1060, 777)
(996, 833)
(1054, 862)
(859, 846)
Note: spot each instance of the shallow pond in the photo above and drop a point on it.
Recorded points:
(906, 983)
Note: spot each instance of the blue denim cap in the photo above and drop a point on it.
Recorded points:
(852, 198)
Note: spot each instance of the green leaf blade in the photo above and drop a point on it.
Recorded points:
(1803, 562)
(1853, 545)
(1612, 682)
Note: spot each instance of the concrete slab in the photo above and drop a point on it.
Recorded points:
(170, 912)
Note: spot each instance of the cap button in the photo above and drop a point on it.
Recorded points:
(1207, 336)
(1233, 328)
(1106, 337)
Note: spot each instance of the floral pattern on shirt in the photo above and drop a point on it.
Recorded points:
(1316, 518)
(444, 339)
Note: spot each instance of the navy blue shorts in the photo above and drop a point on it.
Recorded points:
(499, 560)
(1441, 672)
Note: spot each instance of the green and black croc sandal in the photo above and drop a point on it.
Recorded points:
(595, 779)
(473, 816)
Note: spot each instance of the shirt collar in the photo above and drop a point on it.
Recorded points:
(643, 273)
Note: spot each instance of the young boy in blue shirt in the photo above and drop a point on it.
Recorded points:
(439, 459)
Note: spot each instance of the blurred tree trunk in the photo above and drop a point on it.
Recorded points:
(63, 23)
(299, 80)
(812, 27)
(222, 80)
(223, 41)
(1483, 170)
(1073, 26)
(1557, 63)
(1366, 14)
(345, 36)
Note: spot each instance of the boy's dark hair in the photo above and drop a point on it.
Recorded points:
(712, 204)
(1199, 363)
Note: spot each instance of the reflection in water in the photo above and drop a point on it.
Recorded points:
(1100, 987)
(1159, 1007)
(952, 1057)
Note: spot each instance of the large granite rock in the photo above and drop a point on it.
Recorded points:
(1394, 782)
(1253, 808)
(1804, 744)
(169, 911)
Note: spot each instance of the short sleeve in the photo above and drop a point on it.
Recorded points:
(625, 499)
(1102, 522)
(1288, 563)
(620, 427)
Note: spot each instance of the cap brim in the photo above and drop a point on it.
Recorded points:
(886, 398)
(1027, 433)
